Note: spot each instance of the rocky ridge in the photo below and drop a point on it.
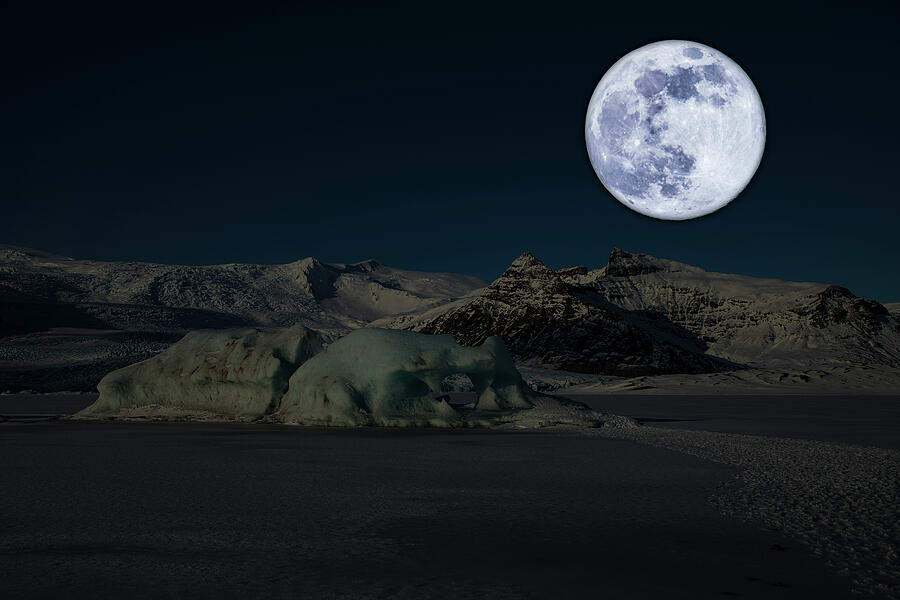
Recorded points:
(751, 320)
(548, 322)
(644, 315)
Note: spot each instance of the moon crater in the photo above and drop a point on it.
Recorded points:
(675, 130)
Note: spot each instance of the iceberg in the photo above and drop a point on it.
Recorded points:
(237, 373)
(390, 378)
(380, 377)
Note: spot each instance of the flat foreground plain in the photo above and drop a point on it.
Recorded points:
(142, 509)
(858, 420)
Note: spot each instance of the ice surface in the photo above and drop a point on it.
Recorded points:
(389, 377)
(238, 373)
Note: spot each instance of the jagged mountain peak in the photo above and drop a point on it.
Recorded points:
(642, 312)
(527, 265)
(547, 322)
(837, 305)
(528, 274)
(526, 259)
(627, 264)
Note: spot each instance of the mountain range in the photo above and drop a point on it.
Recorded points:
(40, 290)
(740, 320)
(637, 321)
(679, 325)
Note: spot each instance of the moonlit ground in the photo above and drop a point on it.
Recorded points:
(675, 130)
(150, 510)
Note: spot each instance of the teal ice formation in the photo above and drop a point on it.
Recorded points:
(370, 376)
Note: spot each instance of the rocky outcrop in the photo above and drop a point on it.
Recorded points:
(624, 264)
(547, 322)
(836, 305)
(751, 320)
(642, 315)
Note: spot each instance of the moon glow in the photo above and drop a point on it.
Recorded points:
(675, 130)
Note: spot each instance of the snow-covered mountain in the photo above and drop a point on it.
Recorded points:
(65, 323)
(40, 290)
(645, 315)
(750, 320)
(548, 322)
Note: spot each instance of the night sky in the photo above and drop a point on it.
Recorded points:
(448, 139)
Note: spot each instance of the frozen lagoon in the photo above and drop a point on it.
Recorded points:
(269, 510)
(205, 509)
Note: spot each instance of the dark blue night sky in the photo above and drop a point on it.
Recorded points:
(442, 139)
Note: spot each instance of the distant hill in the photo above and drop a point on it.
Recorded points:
(40, 290)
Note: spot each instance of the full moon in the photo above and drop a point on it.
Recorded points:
(675, 130)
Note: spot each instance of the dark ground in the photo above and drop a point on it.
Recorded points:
(200, 509)
(857, 420)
